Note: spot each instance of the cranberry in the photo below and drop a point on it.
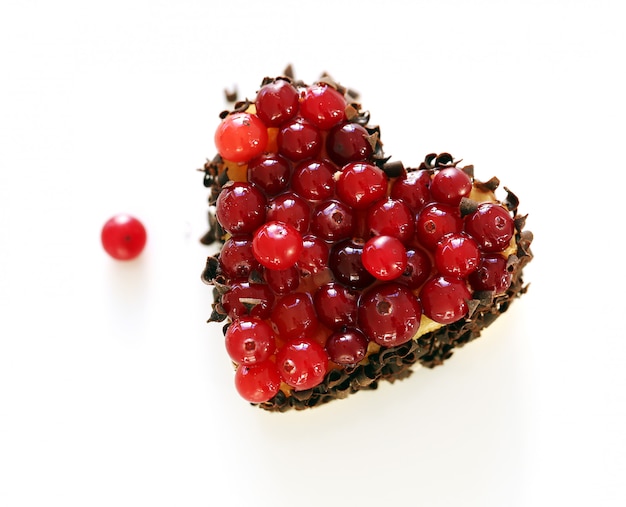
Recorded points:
(491, 226)
(277, 245)
(323, 106)
(444, 299)
(123, 237)
(450, 185)
(299, 140)
(294, 315)
(347, 346)
(457, 255)
(250, 340)
(492, 274)
(236, 257)
(418, 268)
(391, 217)
(284, 280)
(313, 180)
(332, 220)
(240, 137)
(302, 363)
(389, 314)
(314, 256)
(346, 264)
(361, 184)
(240, 208)
(277, 102)
(257, 383)
(348, 142)
(435, 221)
(384, 257)
(336, 305)
(248, 299)
(412, 189)
(291, 209)
(270, 173)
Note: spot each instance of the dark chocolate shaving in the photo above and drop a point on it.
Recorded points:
(467, 206)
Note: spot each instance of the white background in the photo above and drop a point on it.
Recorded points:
(115, 391)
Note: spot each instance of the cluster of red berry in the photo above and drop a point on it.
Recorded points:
(343, 254)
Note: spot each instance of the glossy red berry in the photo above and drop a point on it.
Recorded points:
(348, 142)
(346, 264)
(294, 315)
(277, 245)
(412, 189)
(332, 220)
(240, 137)
(457, 255)
(123, 237)
(435, 221)
(240, 208)
(299, 140)
(361, 184)
(290, 208)
(314, 256)
(236, 257)
(247, 299)
(389, 314)
(313, 180)
(336, 305)
(449, 185)
(491, 226)
(257, 383)
(347, 346)
(323, 106)
(269, 172)
(391, 217)
(444, 299)
(277, 102)
(418, 268)
(250, 340)
(492, 275)
(284, 280)
(302, 363)
(384, 257)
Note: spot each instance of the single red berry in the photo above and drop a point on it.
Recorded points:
(314, 256)
(332, 220)
(450, 185)
(277, 245)
(240, 208)
(435, 221)
(384, 257)
(336, 305)
(412, 189)
(236, 257)
(284, 280)
(299, 140)
(294, 315)
(444, 299)
(389, 314)
(348, 142)
(240, 137)
(457, 255)
(123, 237)
(361, 184)
(257, 383)
(418, 268)
(302, 363)
(347, 346)
(277, 102)
(270, 172)
(313, 180)
(491, 226)
(291, 209)
(250, 340)
(492, 275)
(323, 106)
(391, 217)
(245, 299)
(347, 266)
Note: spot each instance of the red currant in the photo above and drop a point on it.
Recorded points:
(418, 268)
(346, 264)
(384, 257)
(323, 106)
(336, 305)
(257, 383)
(284, 280)
(313, 180)
(348, 142)
(491, 226)
(250, 340)
(457, 255)
(347, 346)
(332, 220)
(294, 315)
(389, 314)
(492, 275)
(444, 299)
(450, 185)
(241, 137)
(277, 102)
(412, 189)
(236, 257)
(299, 140)
(270, 173)
(240, 208)
(123, 237)
(391, 217)
(314, 256)
(248, 299)
(291, 209)
(435, 221)
(361, 184)
(277, 245)
(302, 363)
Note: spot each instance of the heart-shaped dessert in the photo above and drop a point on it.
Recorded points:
(338, 267)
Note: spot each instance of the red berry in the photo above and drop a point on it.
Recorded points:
(346, 264)
(384, 257)
(412, 189)
(240, 137)
(299, 140)
(444, 299)
(123, 237)
(284, 280)
(257, 383)
(418, 268)
(332, 220)
(313, 180)
(277, 245)
(302, 363)
(361, 184)
(492, 274)
(348, 142)
(236, 257)
(277, 102)
(269, 172)
(450, 185)
(347, 346)
(291, 209)
(323, 106)
(240, 208)
(314, 256)
(389, 314)
(250, 340)
(336, 305)
(248, 299)
(435, 221)
(391, 217)
(294, 315)
(491, 226)
(457, 255)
